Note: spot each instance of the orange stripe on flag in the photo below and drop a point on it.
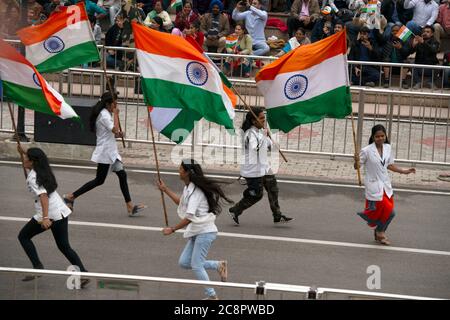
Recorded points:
(56, 22)
(8, 52)
(155, 42)
(305, 56)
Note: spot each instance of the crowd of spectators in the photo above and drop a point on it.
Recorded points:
(372, 29)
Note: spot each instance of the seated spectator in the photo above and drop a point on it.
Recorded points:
(91, 8)
(364, 49)
(185, 18)
(9, 25)
(396, 51)
(158, 12)
(201, 6)
(425, 13)
(326, 15)
(395, 14)
(216, 27)
(304, 13)
(158, 24)
(36, 14)
(255, 21)
(114, 38)
(338, 26)
(112, 6)
(442, 27)
(298, 40)
(426, 48)
(242, 46)
(96, 30)
(195, 33)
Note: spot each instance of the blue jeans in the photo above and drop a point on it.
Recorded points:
(194, 257)
(260, 48)
(414, 27)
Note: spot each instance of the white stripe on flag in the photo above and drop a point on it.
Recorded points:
(161, 117)
(328, 75)
(18, 73)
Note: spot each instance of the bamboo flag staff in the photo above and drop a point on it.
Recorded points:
(254, 115)
(358, 169)
(111, 89)
(157, 168)
(16, 135)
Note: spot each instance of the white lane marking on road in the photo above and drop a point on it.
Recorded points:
(253, 237)
(309, 183)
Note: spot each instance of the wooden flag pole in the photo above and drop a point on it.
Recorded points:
(254, 115)
(157, 168)
(111, 89)
(16, 135)
(358, 171)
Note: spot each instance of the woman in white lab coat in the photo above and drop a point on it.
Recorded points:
(377, 159)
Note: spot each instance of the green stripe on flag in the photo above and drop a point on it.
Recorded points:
(27, 97)
(163, 93)
(334, 104)
(184, 120)
(74, 56)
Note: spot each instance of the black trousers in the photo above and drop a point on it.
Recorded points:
(255, 192)
(102, 172)
(60, 233)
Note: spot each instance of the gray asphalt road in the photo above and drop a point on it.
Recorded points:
(321, 213)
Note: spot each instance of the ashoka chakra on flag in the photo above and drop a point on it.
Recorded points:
(295, 86)
(196, 73)
(54, 44)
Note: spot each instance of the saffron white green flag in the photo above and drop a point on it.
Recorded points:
(176, 4)
(404, 33)
(22, 84)
(176, 76)
(63, 41)
(307, 84)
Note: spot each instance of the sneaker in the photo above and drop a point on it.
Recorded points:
(370, 84)
(233, 216)
(405, 85)
(30, 278)
(211, 298)
(84, 282)
(386, 83)
(416, 86)
(282, 219)
(223, 270)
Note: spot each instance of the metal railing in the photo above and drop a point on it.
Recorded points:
(259, 290)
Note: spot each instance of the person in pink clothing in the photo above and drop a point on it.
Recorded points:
(442, 25)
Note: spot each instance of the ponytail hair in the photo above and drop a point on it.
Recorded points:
(44, 174)
(248, 122)
(106, 99)
(375, 129)
(210, 187)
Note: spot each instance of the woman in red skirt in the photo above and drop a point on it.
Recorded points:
(377, 159)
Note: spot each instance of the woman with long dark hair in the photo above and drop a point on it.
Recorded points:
(377, 159)
(198, 207)
(256, 168)
(104, 121)
(51, 211)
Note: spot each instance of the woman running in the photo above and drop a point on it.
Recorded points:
(104, 121)
(51, 212)
(198, 207)
(377, 159)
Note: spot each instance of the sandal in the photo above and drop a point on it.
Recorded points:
(68, 202)
(136, 209)
(382, 240)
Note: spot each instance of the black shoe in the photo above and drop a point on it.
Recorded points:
(233, 216)
(281, 219)
(30, 278)
(84, 283)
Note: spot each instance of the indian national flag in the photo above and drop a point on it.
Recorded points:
(23, 85)
(404, 33)
(307, 84)
(65, 40)
(176, 75)
(176, 3)
(231, 41)
(371, 7)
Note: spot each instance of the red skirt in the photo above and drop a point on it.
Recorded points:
(380, 213)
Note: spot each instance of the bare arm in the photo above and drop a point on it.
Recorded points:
(183, 223)
(172, 195)
(397, 169)
(46, 223)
